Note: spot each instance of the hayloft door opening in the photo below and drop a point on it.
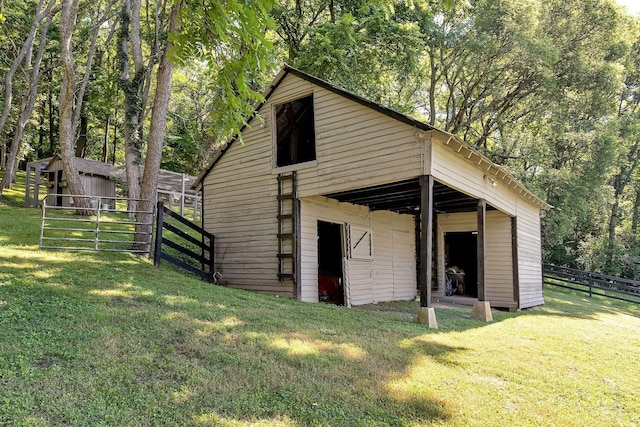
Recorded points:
(461, 263)
(330, 255)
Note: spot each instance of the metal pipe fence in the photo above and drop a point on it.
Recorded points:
(110, 225)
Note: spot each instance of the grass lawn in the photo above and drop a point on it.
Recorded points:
(107, 339)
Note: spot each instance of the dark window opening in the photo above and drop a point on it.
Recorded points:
(295, 133)
(330, 283)
(461, 262)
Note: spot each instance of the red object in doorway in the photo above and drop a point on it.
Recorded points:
(329, 288)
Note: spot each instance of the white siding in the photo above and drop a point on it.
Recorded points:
(357, 273)
(529, 256)
(449, 168)
(394, 256)
(355, 146)
(390, 275)
(498, 258)
(240, 209)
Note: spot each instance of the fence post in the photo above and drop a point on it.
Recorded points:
(590, 285)
(97, 231)
(159, 223)
(212, 268)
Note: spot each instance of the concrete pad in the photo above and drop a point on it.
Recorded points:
(426, 316)
(482, 311)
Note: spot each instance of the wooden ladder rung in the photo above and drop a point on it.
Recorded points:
(285, 256)
(285, 235)
(285, 216)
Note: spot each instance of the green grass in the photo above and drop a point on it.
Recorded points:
(107, 339)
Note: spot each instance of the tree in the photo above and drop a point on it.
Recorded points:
(230, 39)
(32, 77)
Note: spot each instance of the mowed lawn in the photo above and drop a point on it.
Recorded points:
(107, 339)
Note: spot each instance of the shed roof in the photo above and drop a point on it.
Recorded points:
(85, 166)
(452, 142)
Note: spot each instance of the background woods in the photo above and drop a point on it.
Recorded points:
(547, 88)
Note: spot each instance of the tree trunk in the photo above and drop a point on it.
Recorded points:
(115, 139)
(613, 222)
(27, 104)
(25, 50)
(66, 105)
(155, 141)
(635, 219)
(105, 141)
(132, 88)
(3, 155)
(52, 120)
(81, 144)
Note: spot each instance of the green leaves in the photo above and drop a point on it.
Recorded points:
(230, 38)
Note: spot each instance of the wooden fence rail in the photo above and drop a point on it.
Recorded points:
(189, 247)
(592, 283)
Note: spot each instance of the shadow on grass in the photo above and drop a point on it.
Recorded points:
(167, 344)
(95, 338)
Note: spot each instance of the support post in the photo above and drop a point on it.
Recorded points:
(27, 190)
(36, 188)
(425, 313)
(159, 223)
(481, 309)
(482, 210)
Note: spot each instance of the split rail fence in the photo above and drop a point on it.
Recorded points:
(592, 283)
(184, 244)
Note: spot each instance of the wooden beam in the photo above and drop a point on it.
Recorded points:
(482, 211)
(426, 239)
(514, 261)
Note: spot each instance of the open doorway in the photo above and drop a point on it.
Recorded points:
(330, 281)
(461, 262)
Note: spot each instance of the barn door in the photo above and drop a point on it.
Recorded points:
(330, 265)
(404, 265)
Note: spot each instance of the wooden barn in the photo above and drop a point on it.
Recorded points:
(331, 197)
(97, 179)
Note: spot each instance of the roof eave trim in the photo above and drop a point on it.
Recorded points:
(484, 163)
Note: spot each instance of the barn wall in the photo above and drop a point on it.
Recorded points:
(94, 185)
(356, 146)
(357, 273)
(498, 261)
(240, 209)
(394, 246)
(449, 168)
(389, 275)
(529, 256)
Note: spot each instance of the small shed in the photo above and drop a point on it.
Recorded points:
(335, 198)
(97, 179)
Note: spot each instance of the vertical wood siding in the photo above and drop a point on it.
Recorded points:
(529, 256)
(498, 261)
(389, 276)
(394, 256)
(358, 278)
